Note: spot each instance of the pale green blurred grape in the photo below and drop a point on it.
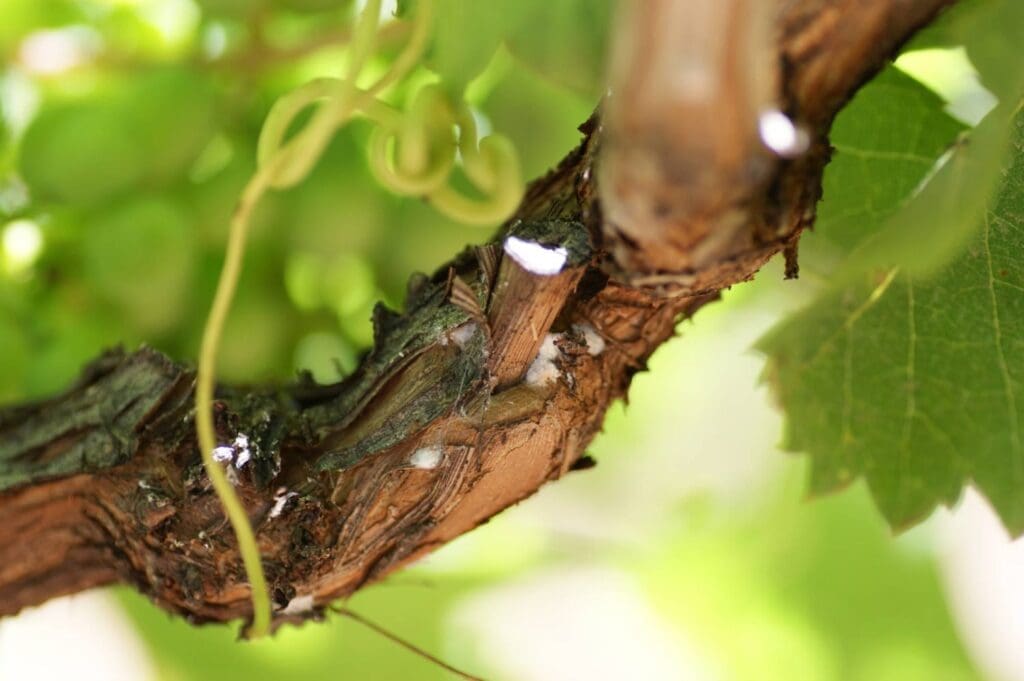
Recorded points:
(326, 356)
(303, 274)
(139, 255)
(348, 284)
(174, 113)
(256, 342)
(78, 153)
(145, 133)
(344, 284)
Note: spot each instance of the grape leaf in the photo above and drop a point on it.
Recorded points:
(79, 153)
(886, 141)
(917, 384)
(170, 104)
(145, 241)
(935, 227)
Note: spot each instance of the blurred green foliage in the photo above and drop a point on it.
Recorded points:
(135, 125)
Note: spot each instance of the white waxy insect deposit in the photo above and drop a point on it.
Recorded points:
(537, 258)
(223, 453)
(595, 343)
(298, 605)
(543, 370)
(280, 501)
(241, 447)
(780, 134)
(461, 334)
(237, 451)
(426, 458)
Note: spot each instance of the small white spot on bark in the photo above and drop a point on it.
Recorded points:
(241, 447)
(595, 343)
(298, 605)
(543, 370)
(280, 501)
(535, 257)
(780, 134)
(223, 453)
(460, 335)
(237, 451)
(426, 458)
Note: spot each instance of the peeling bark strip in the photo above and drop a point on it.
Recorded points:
(438, 430)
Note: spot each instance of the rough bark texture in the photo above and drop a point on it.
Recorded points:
(104, 483)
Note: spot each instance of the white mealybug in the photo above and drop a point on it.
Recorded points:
(543, 369)
(460, 335)
(237, 451)
(535, 257)
(241, 446)
(298, 605)
(594, 341)
(280, 501)
(426, 458)
(223, 453)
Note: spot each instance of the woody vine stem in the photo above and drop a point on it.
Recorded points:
(411, 153)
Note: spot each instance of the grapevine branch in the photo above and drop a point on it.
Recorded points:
(497, 375)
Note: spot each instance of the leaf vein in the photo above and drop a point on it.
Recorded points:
(903, 467)
(1004, 369)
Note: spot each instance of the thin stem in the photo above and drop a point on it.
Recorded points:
(416, 650)
(296, 159)
(363, 39)
(233, 508)
(284, 164)
(414, 49)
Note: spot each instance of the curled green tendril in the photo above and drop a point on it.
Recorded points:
(423, 142)
(416, 156)
(498, 163)
(411, 153)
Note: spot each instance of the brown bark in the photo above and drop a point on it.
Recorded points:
(103, 483)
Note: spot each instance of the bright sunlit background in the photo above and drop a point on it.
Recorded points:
(690, 552)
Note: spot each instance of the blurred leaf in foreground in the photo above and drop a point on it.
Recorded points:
(943, 215)
(886, 142)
